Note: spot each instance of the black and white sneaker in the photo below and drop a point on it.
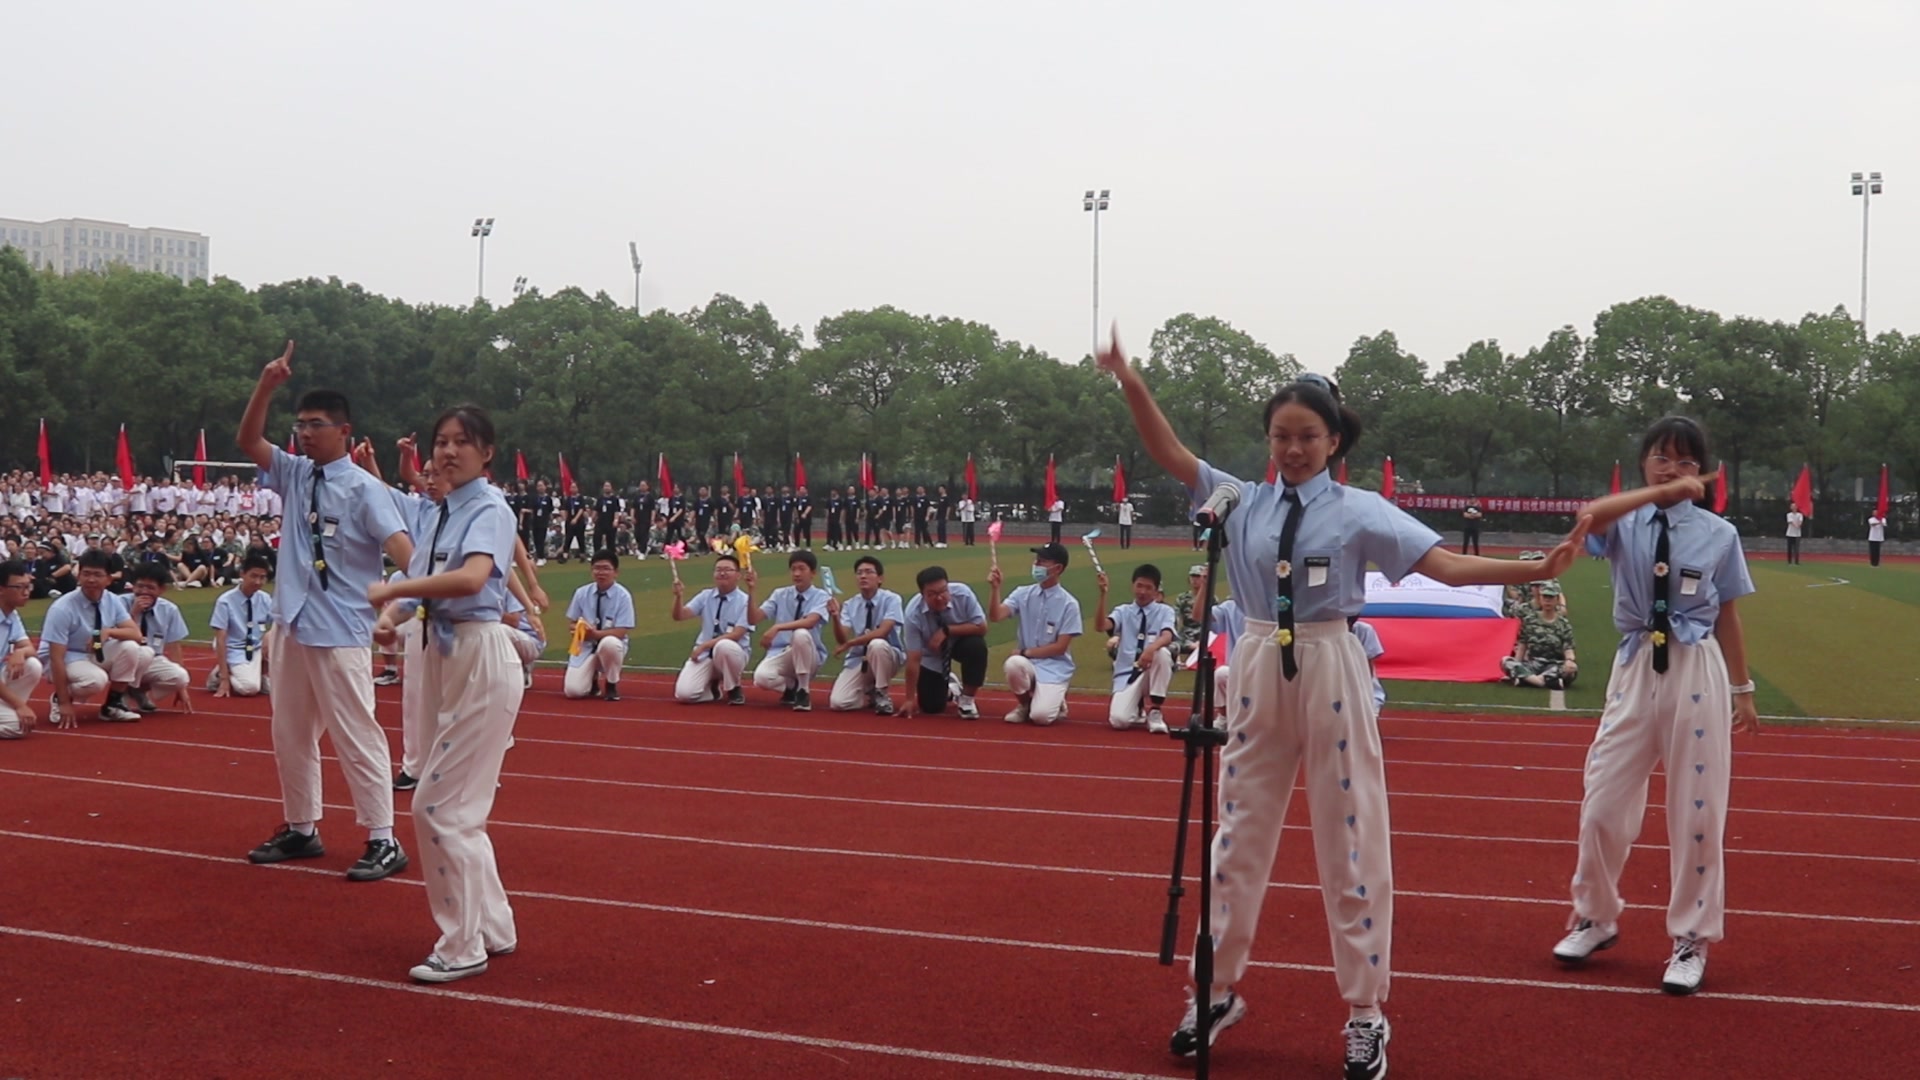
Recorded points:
(737, 696)
(435, 970)
(1687, 968)
(389, 677)
(1367, 1048)
(403, 782)
(382, 859)
(802, 700)
(613, 692)
(144, 703)
(883, 705)
(1586, 938)
(288, 844)
(1224, 1014)
(787, 697)
(115, 711)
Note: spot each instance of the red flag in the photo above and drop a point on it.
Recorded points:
(1613, 486)
(566, 478)
(1879, 508)
(1273, 471)
(666, 479)
(1720, 490)
(519, 466)
(1803, 492)
(1386, 480)
(739, 475)
(1052, 494)
(293, 445)
(973, 481)
(420, 466)
(866, 473)
(799, 472)
(1119, 481)
(200, 454)
(1343, 472)
(123, 458)
(46, 462)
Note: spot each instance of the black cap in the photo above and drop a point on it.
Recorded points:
(1054, 553)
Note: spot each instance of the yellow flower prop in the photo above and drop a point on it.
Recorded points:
(579, 637)
(1659, 637)
(1283, 637)
(743, 549)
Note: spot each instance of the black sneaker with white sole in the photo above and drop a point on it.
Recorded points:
(1367, 1048)
(383, 858)
(802, 700)
(613, 692)
(1224, 1014)
(787, 697)
(288, 844)
(737, 696)
(403, 782)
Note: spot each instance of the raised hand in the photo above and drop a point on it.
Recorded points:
(1111, 358)
(280, 368)
(1688, 487)
(1566, 551)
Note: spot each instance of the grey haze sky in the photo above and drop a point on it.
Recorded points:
(1310, 172)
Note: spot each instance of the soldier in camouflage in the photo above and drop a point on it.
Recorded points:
(1187, 608)
(1543, 656)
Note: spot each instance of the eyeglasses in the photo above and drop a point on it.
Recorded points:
(1684, 466)
(25, 586)
(312, 425)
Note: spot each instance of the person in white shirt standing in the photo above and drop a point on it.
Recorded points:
(22, 669)
(1042, 662)
(1123, 510)
(1795, 520)
(1056, 516)
(242, 619)
(967, 512)
(1876, 536)
(1142, 648)
(164, 628)
(867, 630)
(606, 607)
(794, 642)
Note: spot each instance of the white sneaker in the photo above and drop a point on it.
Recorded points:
(1019, 715)
(1687, 968)
(954, 689)
(1586, 938)
(968, 710)
(114, 714)
(1156, 722)
(53, 714)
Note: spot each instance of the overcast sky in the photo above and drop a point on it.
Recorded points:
(1309, 171)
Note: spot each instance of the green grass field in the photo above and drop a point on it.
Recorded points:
(1818, 648)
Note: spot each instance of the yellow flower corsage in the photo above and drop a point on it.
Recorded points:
(319, 564)
(1283, 569)
(1659, 569)
(1658, 637)
(1283, 636)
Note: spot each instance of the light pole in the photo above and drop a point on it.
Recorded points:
(1095, 203)
(633, 250)
(483, 228)
(1866, 187)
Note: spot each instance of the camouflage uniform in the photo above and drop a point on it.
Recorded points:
(1186, 607)
(1545, 643)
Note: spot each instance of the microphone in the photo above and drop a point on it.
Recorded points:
(1218, 506)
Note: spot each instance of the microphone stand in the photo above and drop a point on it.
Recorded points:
(1201, 739)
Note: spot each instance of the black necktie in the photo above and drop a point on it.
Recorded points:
(720, 613)
(1662, 617)
(144, 616)
(250, 625)
(799, 602)
(99, 642)
(1283, 571)
(313, 523)
(599, 611)
(1140, 637)
(426, 606)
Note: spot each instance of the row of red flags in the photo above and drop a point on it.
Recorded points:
(1802, 495)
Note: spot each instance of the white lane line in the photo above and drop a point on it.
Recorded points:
(1581, 748)
(969, 939)
(1008, 774)
(445, 993)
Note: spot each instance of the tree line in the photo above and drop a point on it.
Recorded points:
(583, 375)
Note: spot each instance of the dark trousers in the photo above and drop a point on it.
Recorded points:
(833, 530)
(1470, 538)
(966, 533)
(943, 532)
(920, 531)
(1793, 549)
(968, 652)
(1126, 536)
(1873, 552)
(602, 538)
(534, 535)
(1053, 530)
(576, 538)
(803, 531)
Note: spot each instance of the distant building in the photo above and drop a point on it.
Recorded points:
(69, 244)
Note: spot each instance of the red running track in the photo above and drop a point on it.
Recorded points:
(711, 892)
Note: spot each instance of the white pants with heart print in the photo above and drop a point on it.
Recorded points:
(1684, 719)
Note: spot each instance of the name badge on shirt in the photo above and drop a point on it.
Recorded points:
(441, 556)
(1317, 570)
(329, 526)
(1053, 629)
(1689, 582)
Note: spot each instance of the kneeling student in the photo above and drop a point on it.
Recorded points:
(163, 628)
(22, 670)
(1042, 662)
(875, 615)
(719, 656)
(1141, 647)
(606, 607)
(945, 626)
(793, 644)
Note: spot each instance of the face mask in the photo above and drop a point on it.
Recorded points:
(1039, 572)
